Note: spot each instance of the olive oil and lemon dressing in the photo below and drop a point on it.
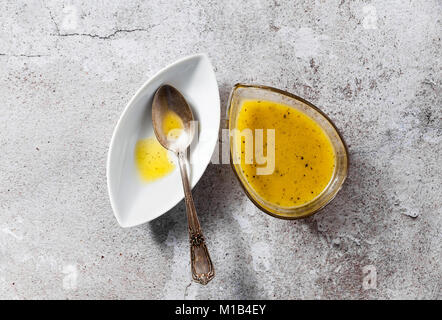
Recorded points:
(172, 125)
(151, 158)
(304, 155)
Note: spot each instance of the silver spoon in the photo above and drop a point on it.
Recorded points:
(167, 99)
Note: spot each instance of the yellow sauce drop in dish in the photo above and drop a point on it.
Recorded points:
(304, 155)
(152, 160)
(172, 125)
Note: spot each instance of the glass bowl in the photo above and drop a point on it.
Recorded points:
(241, 92)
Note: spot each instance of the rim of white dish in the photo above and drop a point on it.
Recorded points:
(122, 115)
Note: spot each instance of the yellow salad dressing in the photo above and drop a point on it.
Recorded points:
(172, 125)
(151, 158)
(304, 155)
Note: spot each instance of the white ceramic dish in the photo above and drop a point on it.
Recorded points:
(133, 200)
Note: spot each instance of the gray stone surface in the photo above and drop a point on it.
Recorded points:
(67, 71)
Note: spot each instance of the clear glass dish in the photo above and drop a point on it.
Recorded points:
(241, 92)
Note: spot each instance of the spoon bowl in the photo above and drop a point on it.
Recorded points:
(167, 99)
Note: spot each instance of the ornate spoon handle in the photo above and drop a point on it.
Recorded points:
(201, 264)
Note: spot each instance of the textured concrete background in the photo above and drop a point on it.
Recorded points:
(67, 71)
